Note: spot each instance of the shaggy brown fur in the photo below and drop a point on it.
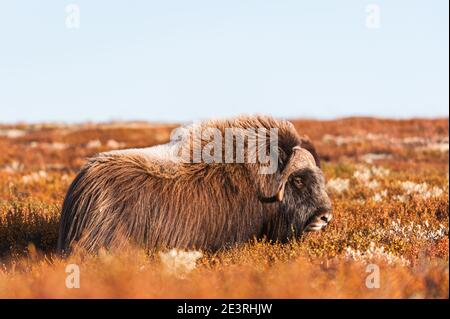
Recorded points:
(135, 196)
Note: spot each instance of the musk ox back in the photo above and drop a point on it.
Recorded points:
(155, 198)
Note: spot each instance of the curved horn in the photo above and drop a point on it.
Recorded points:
(300, 158)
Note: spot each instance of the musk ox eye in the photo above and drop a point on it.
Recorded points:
(298, 182)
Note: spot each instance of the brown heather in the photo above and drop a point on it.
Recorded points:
(401, 228)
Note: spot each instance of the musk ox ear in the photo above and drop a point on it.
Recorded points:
(300, 158)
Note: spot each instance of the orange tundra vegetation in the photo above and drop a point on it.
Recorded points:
(387, 179)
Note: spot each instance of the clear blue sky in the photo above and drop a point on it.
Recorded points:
(183, 60)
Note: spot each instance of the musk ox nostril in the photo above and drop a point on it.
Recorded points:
(326, 217)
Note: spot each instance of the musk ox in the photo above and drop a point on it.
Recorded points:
(152, 198)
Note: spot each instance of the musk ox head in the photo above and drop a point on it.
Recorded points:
(301, 193)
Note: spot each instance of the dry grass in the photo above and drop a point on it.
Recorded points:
(388, 183)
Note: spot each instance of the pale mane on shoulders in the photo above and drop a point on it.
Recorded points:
(165, 160)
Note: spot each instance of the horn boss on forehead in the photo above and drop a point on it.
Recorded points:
(299, 159)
